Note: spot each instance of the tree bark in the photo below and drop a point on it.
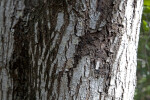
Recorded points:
(68, 49)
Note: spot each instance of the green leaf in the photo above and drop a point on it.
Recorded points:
(145, 26)
(147, 47)
(148, 88)
(146, 2)
(142, 80)
(146, 9)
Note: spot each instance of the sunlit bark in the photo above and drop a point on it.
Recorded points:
(68, 49)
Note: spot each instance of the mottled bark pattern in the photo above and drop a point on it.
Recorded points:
(68, 49)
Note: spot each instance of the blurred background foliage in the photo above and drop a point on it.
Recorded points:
(143, 68)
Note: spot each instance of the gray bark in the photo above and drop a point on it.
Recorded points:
(68, 49)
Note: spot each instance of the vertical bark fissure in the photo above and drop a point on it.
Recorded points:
(20, 66)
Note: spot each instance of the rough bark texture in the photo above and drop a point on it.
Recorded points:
(68, 49)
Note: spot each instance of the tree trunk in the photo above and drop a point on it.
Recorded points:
(68, 49)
